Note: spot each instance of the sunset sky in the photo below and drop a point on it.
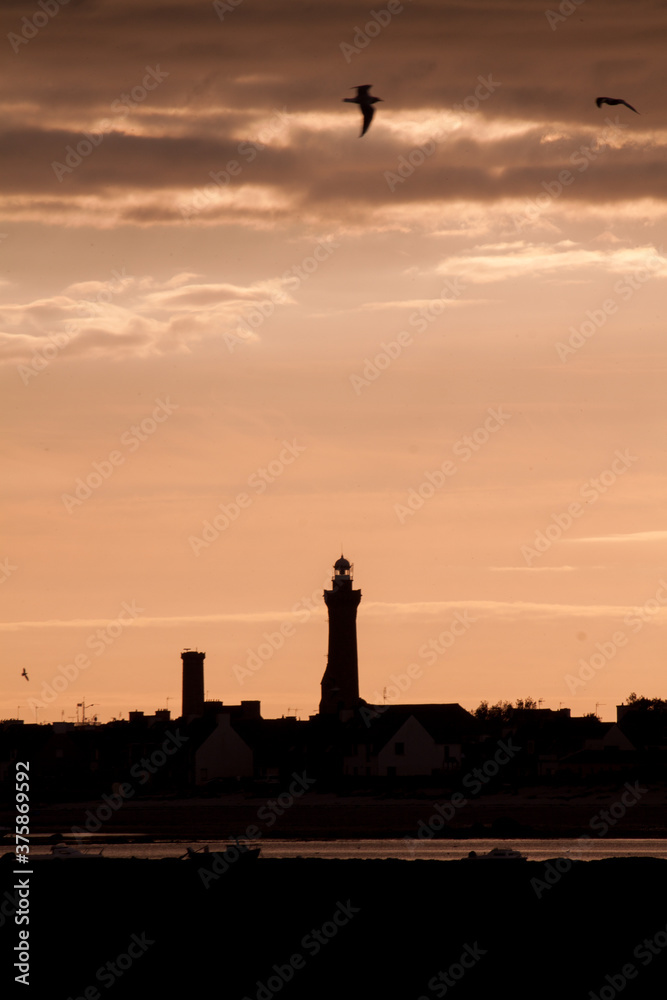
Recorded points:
(237, 338)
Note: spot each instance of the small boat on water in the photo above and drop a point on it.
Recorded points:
(67, 851)
(497, 854)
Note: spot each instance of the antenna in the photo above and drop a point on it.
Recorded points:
(597, 705)
(82, 705)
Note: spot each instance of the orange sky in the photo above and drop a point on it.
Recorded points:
(439, 346)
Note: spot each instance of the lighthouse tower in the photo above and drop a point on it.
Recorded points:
(340, 684)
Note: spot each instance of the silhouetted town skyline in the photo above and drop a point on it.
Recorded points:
(347, 739)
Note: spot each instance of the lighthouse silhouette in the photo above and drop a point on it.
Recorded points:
(340, 684)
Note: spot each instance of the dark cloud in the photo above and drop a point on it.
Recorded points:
(208, 173)
(221, 81)
(430, 54)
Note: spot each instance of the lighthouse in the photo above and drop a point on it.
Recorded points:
(340, 684)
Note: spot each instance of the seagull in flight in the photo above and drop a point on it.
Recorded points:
(614, 100)
(25, 674)
(365, 102)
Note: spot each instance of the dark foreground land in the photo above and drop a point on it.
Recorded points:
(356, 930)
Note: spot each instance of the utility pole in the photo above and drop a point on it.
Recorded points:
(82, 705)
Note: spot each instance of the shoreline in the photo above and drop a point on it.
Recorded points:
(331, 817)
(46, 838)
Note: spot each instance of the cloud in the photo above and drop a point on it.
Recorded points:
(294, 143)
(659, 535)
(135, 316)
(155, 622)
(420, 610)
(539, 569)
(413, 304)
(517, 610)
(488, 264)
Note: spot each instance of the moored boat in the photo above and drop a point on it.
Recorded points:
(497, 854)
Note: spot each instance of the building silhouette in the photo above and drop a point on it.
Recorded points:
(193, 683)
(340, 684)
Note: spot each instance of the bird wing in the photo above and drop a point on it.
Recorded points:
(368, 111)
(614, 100)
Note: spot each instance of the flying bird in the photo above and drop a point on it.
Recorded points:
(365, 102)
(614, 100)
(25, 674)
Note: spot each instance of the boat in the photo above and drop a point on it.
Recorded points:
(67, 851)
(497, 854)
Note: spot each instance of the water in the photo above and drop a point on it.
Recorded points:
(407, 850)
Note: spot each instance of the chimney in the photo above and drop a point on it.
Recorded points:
(193, 682)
